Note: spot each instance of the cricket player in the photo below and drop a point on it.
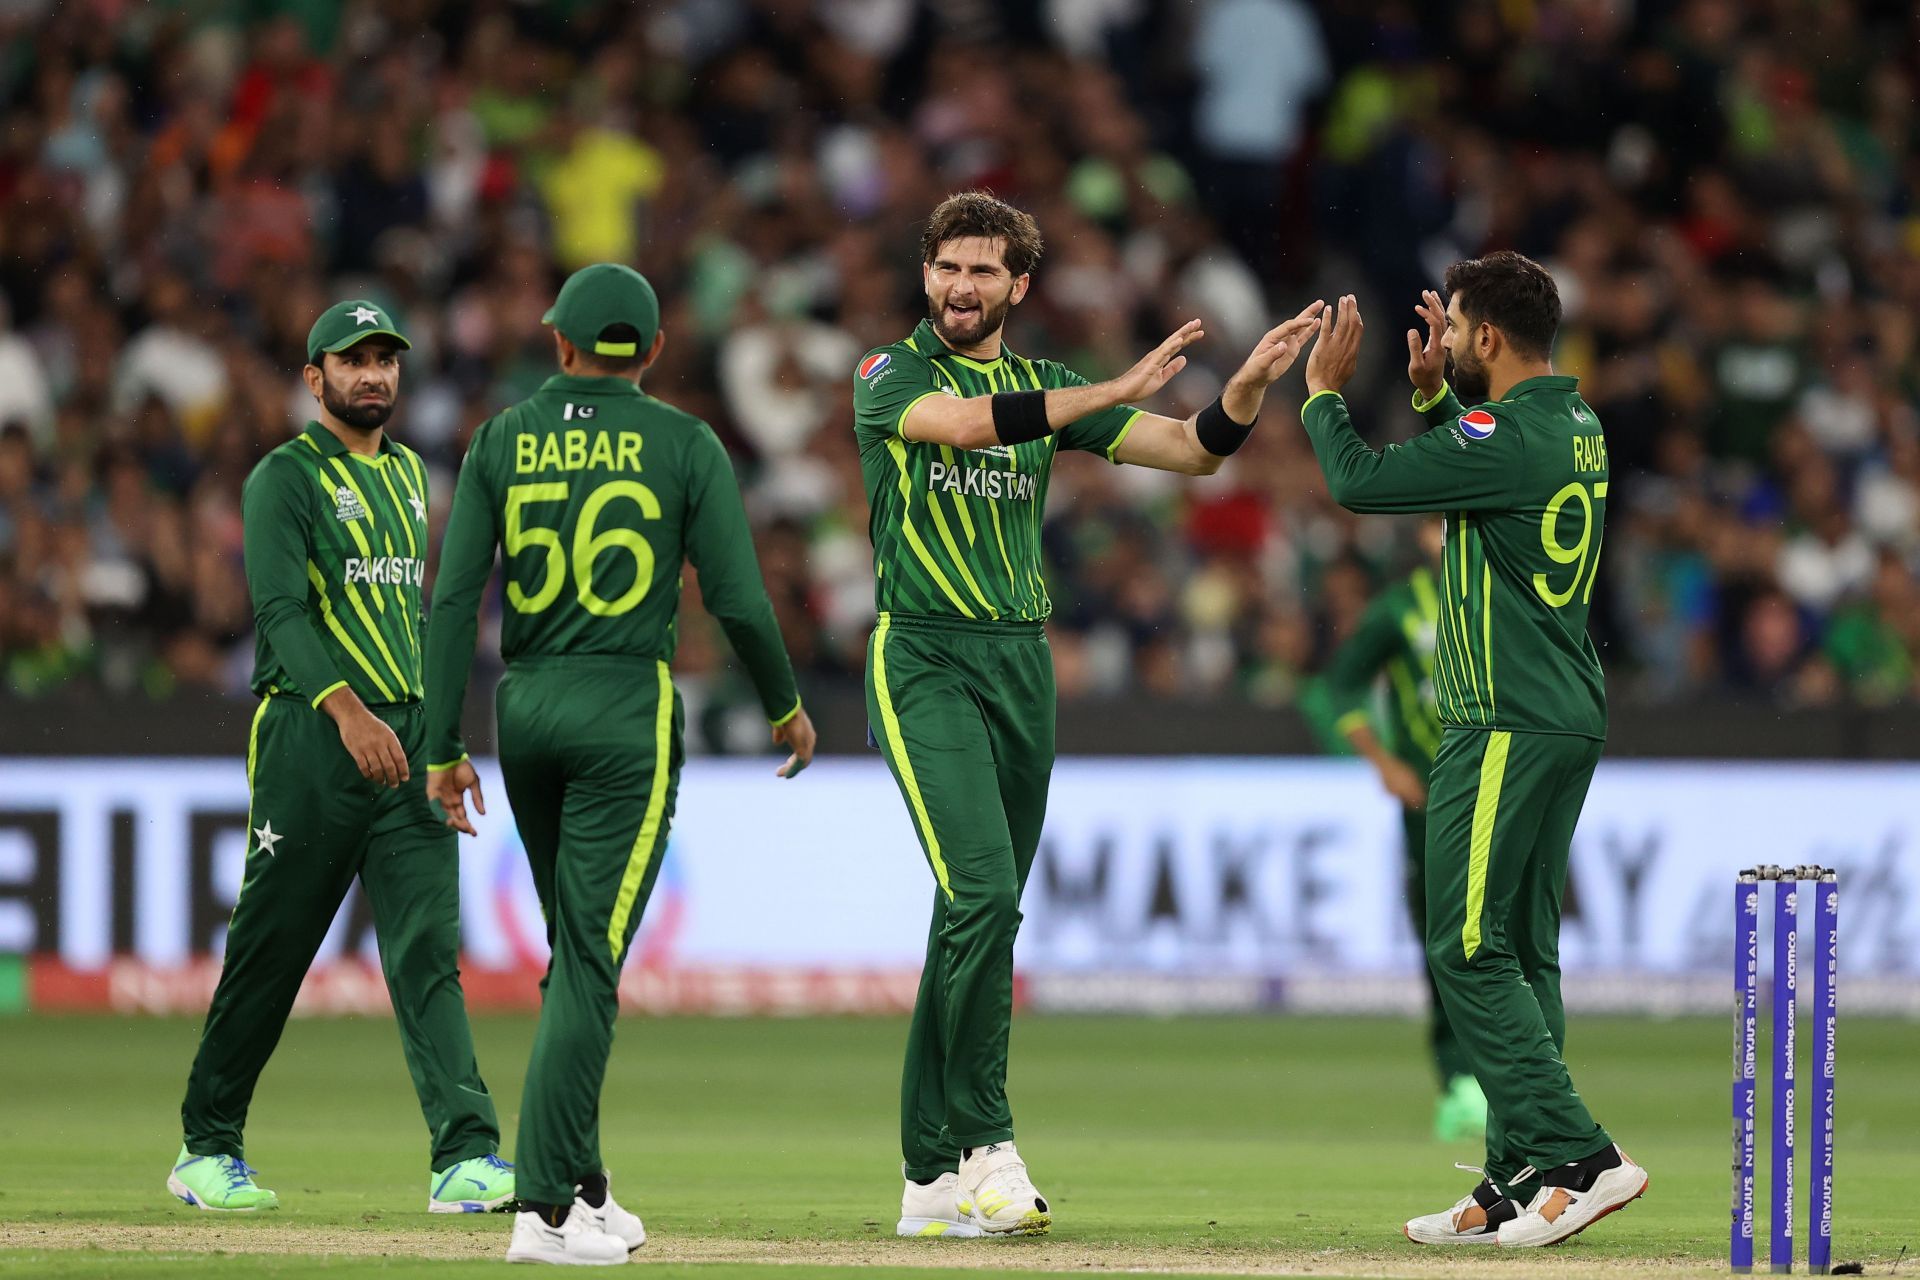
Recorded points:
(597, 492)
(1522, 480)
(1391, 654)
(336, 546)
(957, 435)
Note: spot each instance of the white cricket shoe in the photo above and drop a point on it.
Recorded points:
(622, 1224)
(1573, 1198)
(577, 1242)
(934, 1209)
(996, 1193)
(1475, 1219)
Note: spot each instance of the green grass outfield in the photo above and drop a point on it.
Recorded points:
(1287, 1145)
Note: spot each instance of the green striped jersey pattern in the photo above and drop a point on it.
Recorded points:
(957, 532)
(366, 564)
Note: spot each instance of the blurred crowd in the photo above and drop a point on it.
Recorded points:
(1725, 191)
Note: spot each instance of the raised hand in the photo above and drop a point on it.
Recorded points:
(1427, 362)
(1280, 347)
(1336, 348)
(1157, 366)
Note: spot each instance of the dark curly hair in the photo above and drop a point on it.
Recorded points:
(981, 213)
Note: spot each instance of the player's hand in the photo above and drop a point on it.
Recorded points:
(449, 787)
(1336, 348)
(376, 752)
(1427, 361)
(1279, 348)
(1404, 783)
(1157, 366)
(796, 734)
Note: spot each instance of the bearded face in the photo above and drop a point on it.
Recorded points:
(969, 291)
(1468, 376)
(360, 385)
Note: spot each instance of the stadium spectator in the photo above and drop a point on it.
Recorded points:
(1725, 194)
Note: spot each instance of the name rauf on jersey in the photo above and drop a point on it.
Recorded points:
(982, 482)
(387, 570)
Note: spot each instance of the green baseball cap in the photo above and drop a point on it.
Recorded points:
(345, 323)
(606, 293)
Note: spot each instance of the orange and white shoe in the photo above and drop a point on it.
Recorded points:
(1573, 1197)
(1476, 1219)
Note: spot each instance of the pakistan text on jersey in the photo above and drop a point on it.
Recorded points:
(394, 570)
(576, 450)
(982, 482)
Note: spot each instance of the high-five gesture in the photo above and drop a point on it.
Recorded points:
(1158, 365)
(1427, 361)
(1279, 348)
(1336, 349)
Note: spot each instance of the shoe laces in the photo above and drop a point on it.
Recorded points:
(496, 1164)
(238, 1173)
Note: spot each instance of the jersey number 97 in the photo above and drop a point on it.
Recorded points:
(1583, 555)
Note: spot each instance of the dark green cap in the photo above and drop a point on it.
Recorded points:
(345, 323)
(606, 293)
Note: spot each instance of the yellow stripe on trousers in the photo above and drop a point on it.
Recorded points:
(897, 748)
(253, 755)
(645, 844)
(1486, 807)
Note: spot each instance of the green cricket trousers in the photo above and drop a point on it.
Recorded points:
(1449, 1059)
(590, 748)
(964, 713)
(1501, 810)
(316, 824)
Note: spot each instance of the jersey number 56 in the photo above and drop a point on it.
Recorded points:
(588, 546)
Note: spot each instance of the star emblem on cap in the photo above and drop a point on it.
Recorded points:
(268, 837)
(365, 315)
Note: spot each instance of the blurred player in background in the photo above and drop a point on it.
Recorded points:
(336, 534)
(957, 436)
(1376, 698)
(598, 493)
(1522, 480)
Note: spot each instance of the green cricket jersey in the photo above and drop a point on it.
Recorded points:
(1523, 485)
(596, 492)
(1391, 652)
(957, 532)
(336, 554)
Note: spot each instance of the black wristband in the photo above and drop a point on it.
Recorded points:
(1219, 434)
(1020, 416)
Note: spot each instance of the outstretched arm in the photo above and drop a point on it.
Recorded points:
(971, 423)
(1470, 464)
(1185, 445)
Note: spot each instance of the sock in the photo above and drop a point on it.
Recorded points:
(927, 1182)
(594, 1190)
(552, 1214)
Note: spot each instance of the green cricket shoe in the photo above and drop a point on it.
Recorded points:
(483, 1184)
(221, 1184)
(1461, 1112)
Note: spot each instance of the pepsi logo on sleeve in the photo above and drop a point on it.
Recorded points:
(871, 367)
(1477, 425)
